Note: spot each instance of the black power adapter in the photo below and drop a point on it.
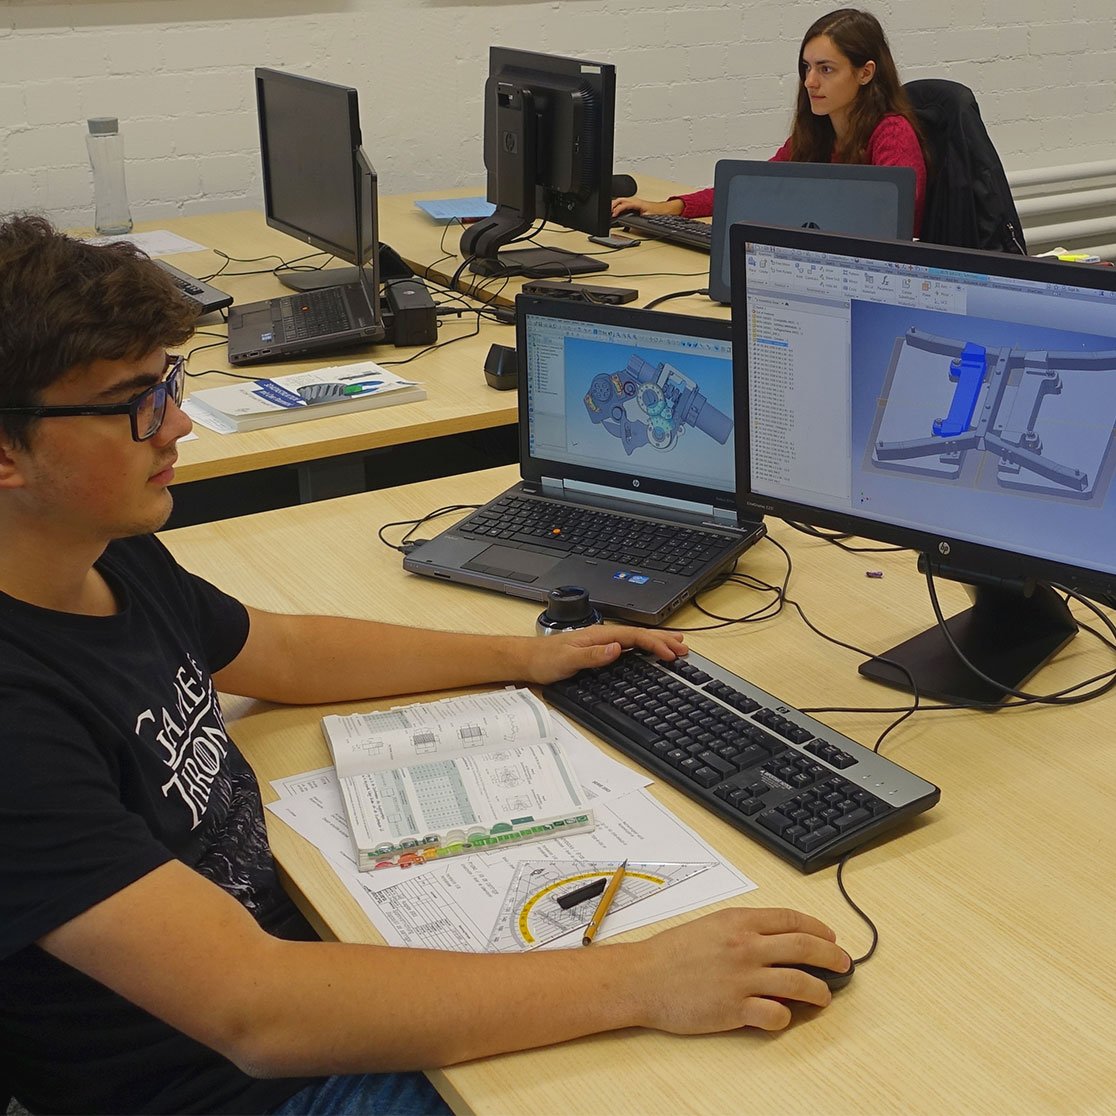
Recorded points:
(408, 313)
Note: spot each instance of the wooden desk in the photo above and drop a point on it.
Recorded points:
(654, 268)
(459, 399)
(991, 991)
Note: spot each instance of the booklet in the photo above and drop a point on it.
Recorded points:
(437, 779)
(323, 391)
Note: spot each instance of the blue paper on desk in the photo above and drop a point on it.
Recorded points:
(457, 209)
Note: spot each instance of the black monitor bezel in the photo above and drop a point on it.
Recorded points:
(943, 552)
(536, 469)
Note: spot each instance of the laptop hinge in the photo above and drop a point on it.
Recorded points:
(725, 517)
(552, 486)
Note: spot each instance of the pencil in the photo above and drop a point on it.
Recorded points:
(604, 904)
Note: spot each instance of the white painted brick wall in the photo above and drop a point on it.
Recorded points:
(698, 79)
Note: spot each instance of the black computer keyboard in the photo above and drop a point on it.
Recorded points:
(207, 297)
(685, 231)
(807, 792)
(317, 313)
(571, 529)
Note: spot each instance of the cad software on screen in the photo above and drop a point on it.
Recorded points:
(636, 402)
(953, 402)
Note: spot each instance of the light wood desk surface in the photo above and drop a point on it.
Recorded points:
(458, 398)
(654, 268)
(992, 989)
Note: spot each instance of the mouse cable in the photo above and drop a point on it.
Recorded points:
(859, 910)
(676, 294)
(406, 544)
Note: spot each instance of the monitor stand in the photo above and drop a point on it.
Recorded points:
(1006, 634)
(538, 263)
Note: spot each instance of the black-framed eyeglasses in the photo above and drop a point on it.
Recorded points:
(146, 411)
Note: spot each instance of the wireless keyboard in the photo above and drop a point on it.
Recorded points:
(807, 792)
(206, 297)
(686, 231)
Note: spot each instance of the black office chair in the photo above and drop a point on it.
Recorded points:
(968, 200)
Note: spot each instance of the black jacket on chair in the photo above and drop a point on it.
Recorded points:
(968, 200)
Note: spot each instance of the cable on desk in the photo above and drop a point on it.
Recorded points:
(838, 537)
(283, 265)
(1059, 697)
(859, 910)
(406, 544)
(675, 294)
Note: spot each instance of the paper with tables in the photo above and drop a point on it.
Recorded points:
(464, 904)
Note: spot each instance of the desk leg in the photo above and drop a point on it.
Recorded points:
(329, 477)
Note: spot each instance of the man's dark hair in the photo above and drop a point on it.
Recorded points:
(65, 304)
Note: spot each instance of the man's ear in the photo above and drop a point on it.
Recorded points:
(11, 473)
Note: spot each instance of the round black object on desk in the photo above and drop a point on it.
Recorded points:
(567, 607)
(500, 368)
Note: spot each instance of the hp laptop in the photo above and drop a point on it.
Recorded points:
(857, 200)
(306, 323)
(626, 432)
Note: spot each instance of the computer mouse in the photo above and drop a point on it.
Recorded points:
(832, 979)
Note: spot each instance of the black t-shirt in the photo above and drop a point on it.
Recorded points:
(114, 759)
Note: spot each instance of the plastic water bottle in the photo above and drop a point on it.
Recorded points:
(110, 193)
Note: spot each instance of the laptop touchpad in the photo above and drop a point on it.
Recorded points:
(515, 565)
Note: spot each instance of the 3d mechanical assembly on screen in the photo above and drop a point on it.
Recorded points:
(652, 405)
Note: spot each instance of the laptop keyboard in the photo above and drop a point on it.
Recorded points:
(685, 231)
(807, 792)
(314, 314)
(586, 532)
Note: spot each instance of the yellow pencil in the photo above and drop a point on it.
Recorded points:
(604, 904)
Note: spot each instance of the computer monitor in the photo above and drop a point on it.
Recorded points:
(318, 185)
(956, 402)
(548, 133)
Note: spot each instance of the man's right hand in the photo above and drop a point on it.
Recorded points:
(641, 205)
(721, 972)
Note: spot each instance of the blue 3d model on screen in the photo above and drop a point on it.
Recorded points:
(652, 404)
(1018, 406)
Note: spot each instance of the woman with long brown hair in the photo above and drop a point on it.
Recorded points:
(851, 108)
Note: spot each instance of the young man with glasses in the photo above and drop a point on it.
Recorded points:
(149, 960)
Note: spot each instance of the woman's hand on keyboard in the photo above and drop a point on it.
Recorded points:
(673, 206)
(560, 655)
(721, 972)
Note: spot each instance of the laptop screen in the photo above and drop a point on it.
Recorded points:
(635, 399)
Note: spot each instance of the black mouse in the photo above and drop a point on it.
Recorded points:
(833, 980)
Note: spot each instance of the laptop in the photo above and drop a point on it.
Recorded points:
(626, 438)
(856, 200)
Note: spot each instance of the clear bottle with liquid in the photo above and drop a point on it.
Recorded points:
(110, 192)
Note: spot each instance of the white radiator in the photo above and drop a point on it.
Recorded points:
(1072, 206)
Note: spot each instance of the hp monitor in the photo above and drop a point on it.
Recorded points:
(548, 132)
(956, 402)
(318, 186)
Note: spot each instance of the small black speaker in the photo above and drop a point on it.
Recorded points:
(500, 369)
